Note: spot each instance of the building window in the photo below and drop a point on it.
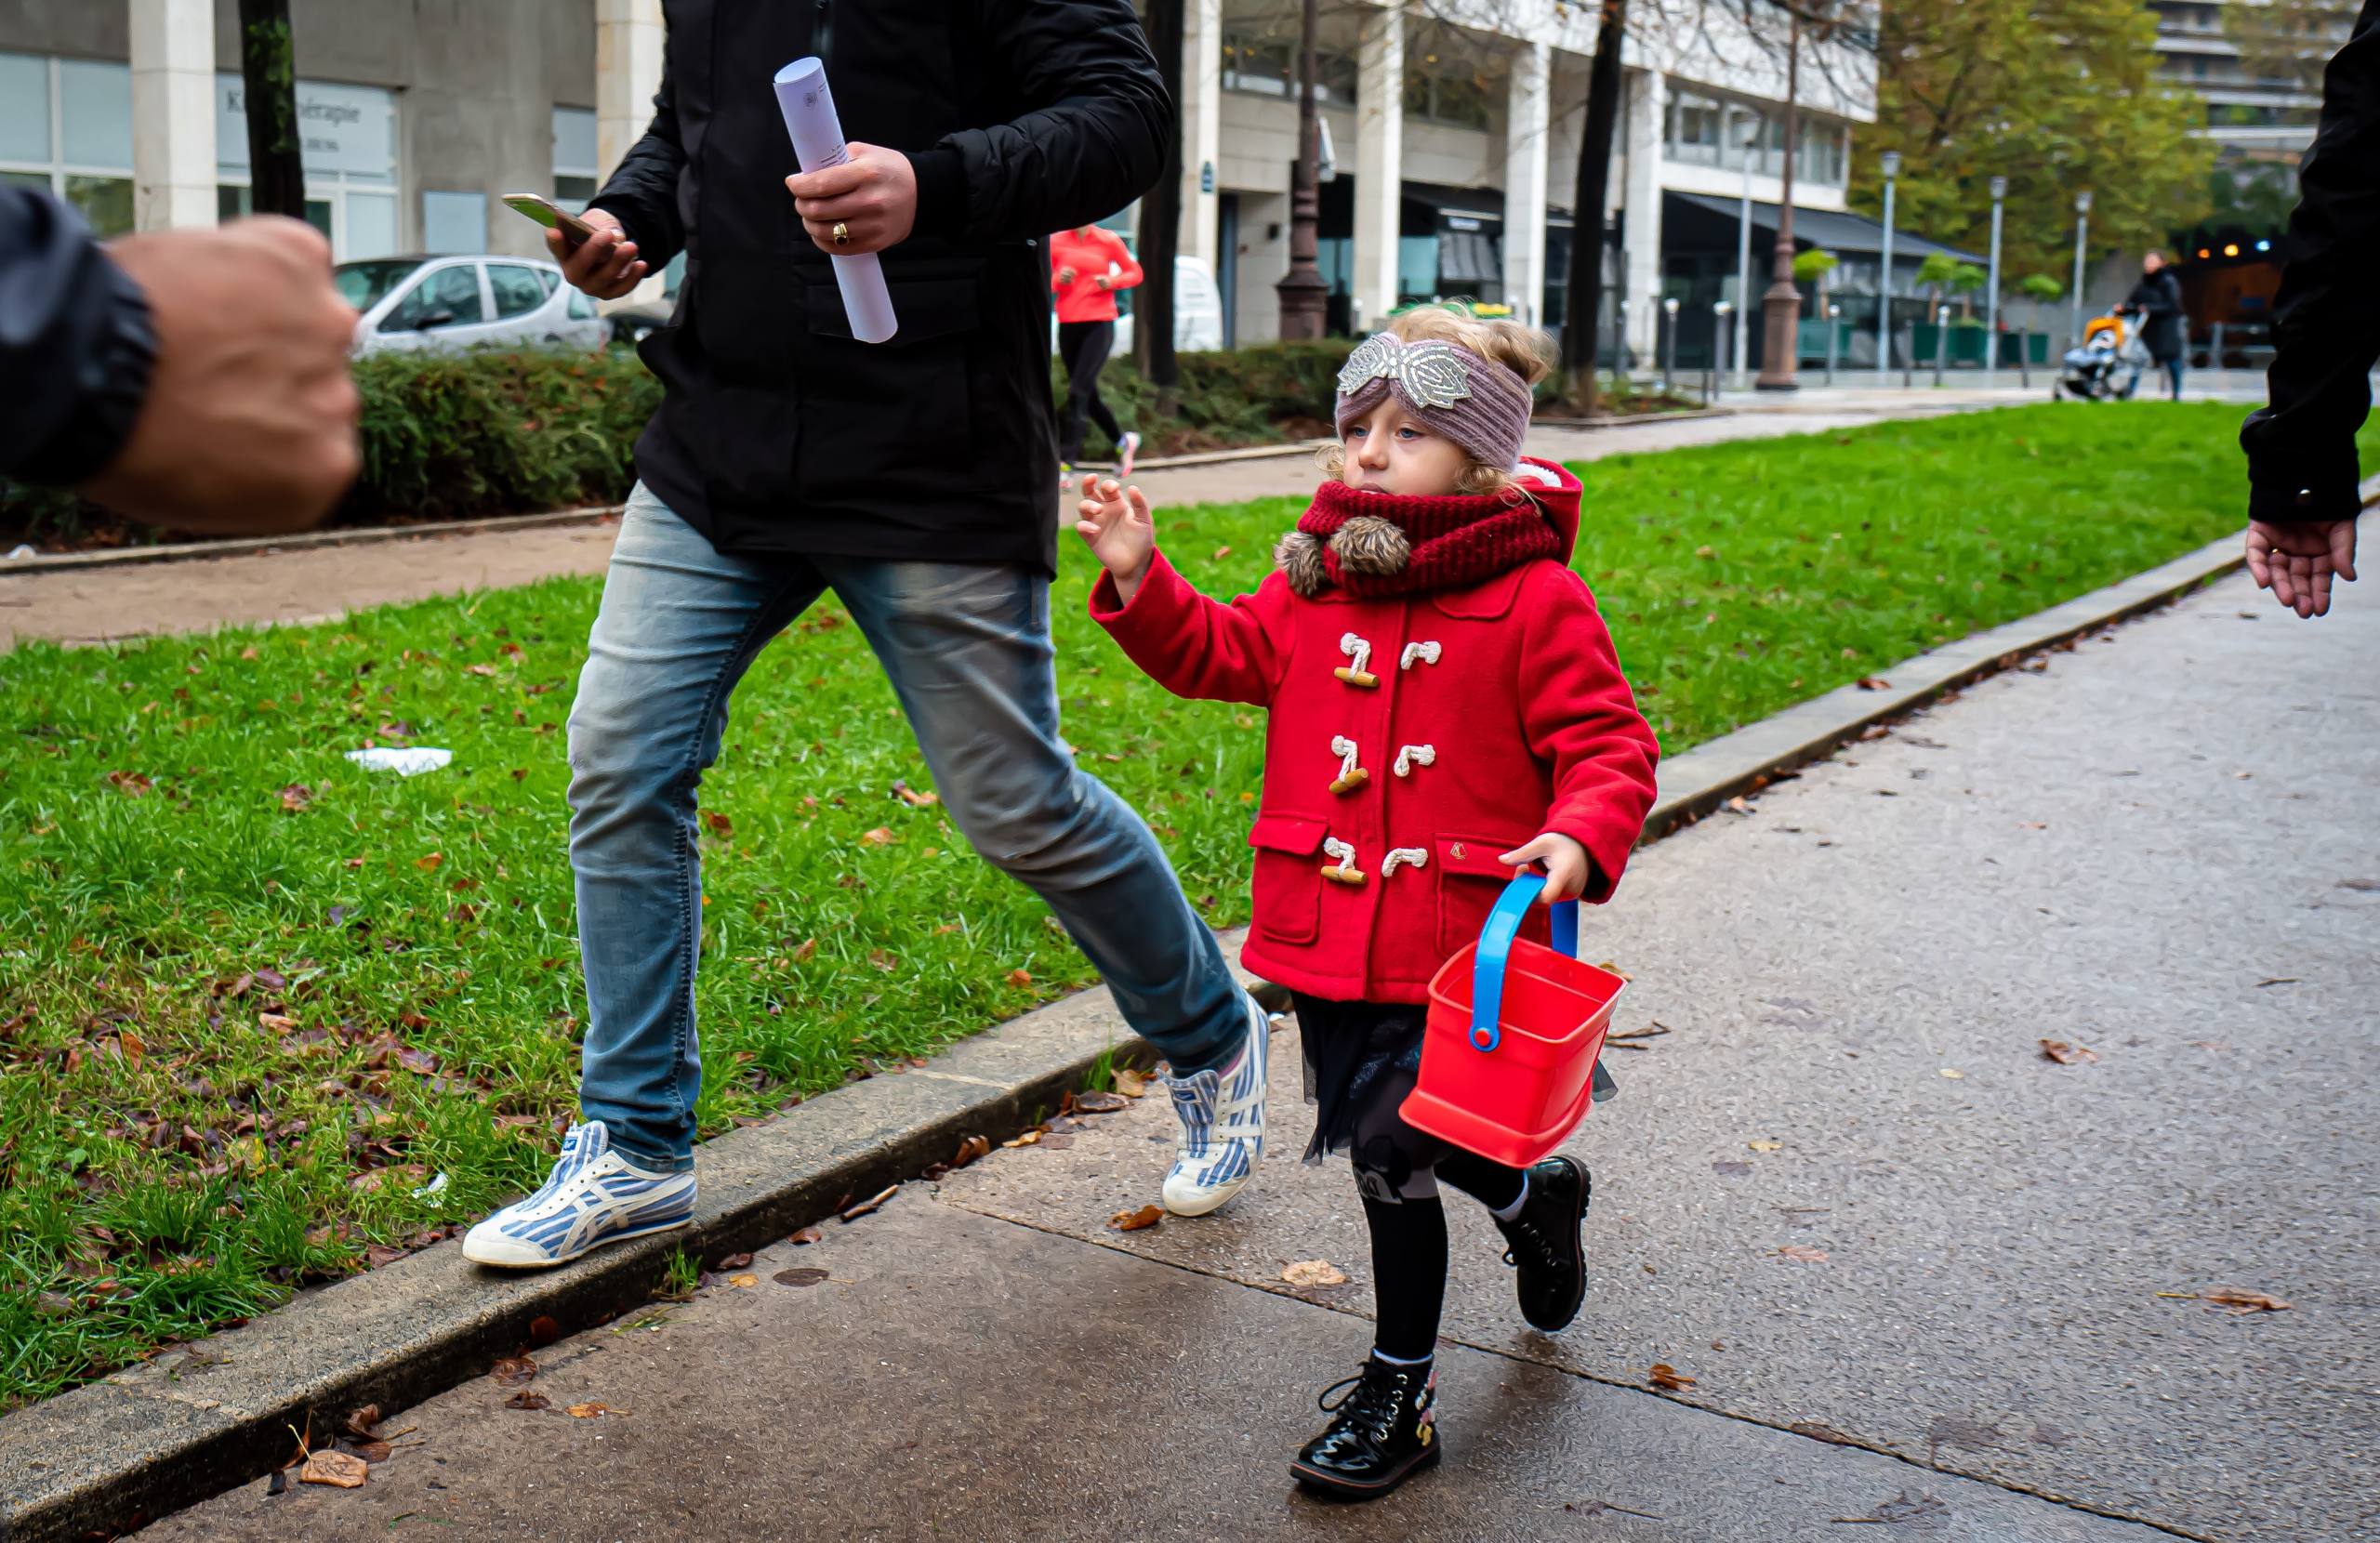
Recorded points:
(1697, 132)
(66, 127)
(575, 173)
(453, 222)
(1446, 98)
(1268, 67)
(350, 153)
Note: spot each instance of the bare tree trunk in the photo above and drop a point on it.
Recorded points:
(1161, 219)
(269, 79)
(1304, 297)
(1584, 309)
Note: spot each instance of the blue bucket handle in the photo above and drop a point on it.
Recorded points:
(1496, 951)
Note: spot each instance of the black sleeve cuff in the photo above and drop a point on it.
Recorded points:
(110, 380)
(2320, 502)
(942, 192)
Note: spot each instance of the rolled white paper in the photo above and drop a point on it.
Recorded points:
(817, 136)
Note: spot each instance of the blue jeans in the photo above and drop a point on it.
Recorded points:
(2172, 368)
(967, 648)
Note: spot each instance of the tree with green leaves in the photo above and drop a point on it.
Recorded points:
(2055, 99)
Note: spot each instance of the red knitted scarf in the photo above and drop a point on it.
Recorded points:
(1456, 540)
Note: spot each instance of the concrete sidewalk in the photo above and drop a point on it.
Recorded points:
(313, 583)
(2160, 847)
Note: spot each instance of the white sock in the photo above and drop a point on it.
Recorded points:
(1509, 1212)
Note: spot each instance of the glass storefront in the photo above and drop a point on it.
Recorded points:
(350, 157)
(66, 127)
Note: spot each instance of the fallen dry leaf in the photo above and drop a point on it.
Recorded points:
(374, 1450)
(883, 960)
(721, 826)
(808, 949)
(880, 837)
(361, 1423)
(914, 799)
(2239, 1302)
(743, 1283)
(429, 861)
(1803, 1252)
(1669, 1378)
(1133, 1222)
(1737, 806)
(871, 1202)
(733, 1261)
(1953, 1073)
(1131, 1084)
(1030, 1138)
(1875, 683)
(595, 1411)
(513, 1371)
(1100, 1104)
(805, 1275)
(1765, 1146)
(1020, 977)
(807, 1235)
(524, 1399)
(1313, 1272)
(340, 1469)
(544, 1330)
(295, 798)
(132, 784)
(2065, 1054)
(971, 1148)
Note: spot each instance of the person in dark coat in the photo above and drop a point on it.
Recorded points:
(2157, 298)
(2303, 475)
(194, 378)
(914, 479)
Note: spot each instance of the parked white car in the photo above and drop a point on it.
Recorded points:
(410, 304)
(1197, 312)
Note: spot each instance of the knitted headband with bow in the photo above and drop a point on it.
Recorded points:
(1479, 404)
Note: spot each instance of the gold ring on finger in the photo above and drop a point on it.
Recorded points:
(842, 233)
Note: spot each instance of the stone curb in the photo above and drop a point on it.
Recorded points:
(189, 1425)
(199, 551)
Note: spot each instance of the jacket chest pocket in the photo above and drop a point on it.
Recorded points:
(1288, 876)
(1471, 878)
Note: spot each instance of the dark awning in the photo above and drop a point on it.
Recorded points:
(1834, 230)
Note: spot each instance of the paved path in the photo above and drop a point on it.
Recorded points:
(2160, 847)
(307, 584)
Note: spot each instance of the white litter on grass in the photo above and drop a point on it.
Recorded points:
(404, 763)
(22, 551)
(434, 1191)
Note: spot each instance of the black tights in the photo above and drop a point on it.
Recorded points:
(1409, 1253)
(1084, 345)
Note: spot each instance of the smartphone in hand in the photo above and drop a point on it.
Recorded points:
(573, 230)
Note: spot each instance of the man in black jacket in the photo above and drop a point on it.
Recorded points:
(2157, 301)
(195, 378)
(915, 478)
(2302, 470)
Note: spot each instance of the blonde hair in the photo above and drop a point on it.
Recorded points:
(1526, 352)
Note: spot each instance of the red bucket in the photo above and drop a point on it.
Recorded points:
(1514, 1031)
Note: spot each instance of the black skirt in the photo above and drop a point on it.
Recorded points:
(1361, 1061)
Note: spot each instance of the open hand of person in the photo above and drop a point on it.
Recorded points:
(873, 196)
(1566, 865)
(605, 265)
(1115, 523)
(2297, 562)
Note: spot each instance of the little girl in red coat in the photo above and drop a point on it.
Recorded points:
(1445, 707)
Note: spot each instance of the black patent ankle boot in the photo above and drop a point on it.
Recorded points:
(1383, 1430)
(1546, 1243)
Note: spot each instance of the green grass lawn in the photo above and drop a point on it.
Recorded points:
(253, 998)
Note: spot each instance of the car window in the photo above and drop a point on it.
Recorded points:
(516, 288)
(581, 308)
(361, 285)
(454, 290)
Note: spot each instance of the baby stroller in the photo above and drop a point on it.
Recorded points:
(2108, 364)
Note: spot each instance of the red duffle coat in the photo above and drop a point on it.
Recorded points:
(1479, 718)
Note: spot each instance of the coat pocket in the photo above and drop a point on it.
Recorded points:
(1288, 876)
(1471, 878)
(897, 417)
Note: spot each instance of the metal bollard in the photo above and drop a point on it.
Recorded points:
(1941, 341)
(2215, 353)
(1909, 357)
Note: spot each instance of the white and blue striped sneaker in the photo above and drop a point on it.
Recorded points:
(1223, 1125)
(593, 1196)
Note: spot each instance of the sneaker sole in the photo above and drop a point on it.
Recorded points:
(1347, 1490)
(1207, 1201)
(603, 1242)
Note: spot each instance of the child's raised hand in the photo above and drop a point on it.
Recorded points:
(1114, 522)
(1566, 865)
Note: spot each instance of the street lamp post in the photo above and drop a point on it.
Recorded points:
(2081, 229)
(1832, 310)
(1719, 338)
(1890, 163)
(1743, 251)
(1304, 293)
(1669, 354)
(1992, 292)
(1781, 307)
